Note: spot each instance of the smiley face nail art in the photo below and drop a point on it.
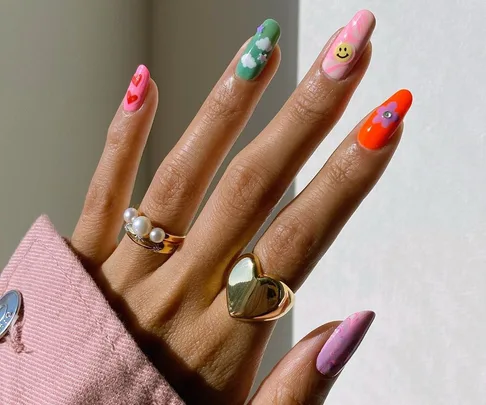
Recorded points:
(349, 45)
(344, 52)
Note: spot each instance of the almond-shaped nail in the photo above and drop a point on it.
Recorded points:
(342, 344)
(383, 122)
(349, 45)
(259, 50)
(137, 89)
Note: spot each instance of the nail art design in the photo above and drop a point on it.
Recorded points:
(137, 89)
(342, 344)
(383, 122)
(347, 48)
(258, 51)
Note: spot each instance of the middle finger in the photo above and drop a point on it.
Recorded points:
(182, 179)
(258, 177)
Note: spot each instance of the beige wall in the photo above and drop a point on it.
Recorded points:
(64, 66)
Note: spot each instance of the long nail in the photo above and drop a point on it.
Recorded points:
(383, 122)
(349, 45)
(137, 89)
(259, 50)
(342, 344)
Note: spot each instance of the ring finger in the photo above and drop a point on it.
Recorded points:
(303, 231)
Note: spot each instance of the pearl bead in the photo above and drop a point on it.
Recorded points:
(129, 215)
(141, 226)
(157, 235)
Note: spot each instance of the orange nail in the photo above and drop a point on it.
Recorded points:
(383, 122)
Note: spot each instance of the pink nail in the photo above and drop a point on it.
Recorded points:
(137, 89)
(349, 45)
(342, 344)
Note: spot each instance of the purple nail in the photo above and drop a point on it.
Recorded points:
(342, 344)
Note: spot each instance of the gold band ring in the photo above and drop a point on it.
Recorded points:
(251, 296)
(140, 230)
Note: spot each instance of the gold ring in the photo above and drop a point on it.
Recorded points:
(140, 230)
(251, 296)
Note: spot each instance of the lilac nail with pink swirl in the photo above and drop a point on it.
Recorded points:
(342, 344)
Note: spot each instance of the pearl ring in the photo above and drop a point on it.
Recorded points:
(140, 230)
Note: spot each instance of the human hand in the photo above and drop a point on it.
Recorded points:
(176, 306)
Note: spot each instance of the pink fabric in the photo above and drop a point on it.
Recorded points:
(70, 347)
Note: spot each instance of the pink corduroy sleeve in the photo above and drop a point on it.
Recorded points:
(69, 347)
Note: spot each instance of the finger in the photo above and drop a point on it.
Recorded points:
(304, 230)
(308, 372)
(96, 232)
(182, 179)
(260, 174)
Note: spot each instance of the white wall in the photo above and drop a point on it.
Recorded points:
(415, 251)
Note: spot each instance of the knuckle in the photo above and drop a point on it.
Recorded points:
(225, 103)
(308, 106)
(292, 241)
(285, 393)
(117, 139)
(173, 187)
(244, 190)
(340, 174)
(100, 199)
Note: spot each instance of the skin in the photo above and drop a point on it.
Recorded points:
(175, 306)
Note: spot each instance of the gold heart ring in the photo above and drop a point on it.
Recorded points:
(252, 296)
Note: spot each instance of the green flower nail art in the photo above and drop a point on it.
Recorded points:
(258, 51)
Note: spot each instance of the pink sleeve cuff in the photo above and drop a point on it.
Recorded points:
(69, 347)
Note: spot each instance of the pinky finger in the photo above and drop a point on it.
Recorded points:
(308, 372)
(95, 235)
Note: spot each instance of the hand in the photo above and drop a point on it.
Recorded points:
(175, 306)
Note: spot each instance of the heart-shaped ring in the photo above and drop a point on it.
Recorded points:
(252, 296)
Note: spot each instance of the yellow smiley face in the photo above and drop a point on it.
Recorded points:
(344, 52)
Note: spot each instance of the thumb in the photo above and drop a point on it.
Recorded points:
(307, 373)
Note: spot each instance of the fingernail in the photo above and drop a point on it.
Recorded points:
(342, 344)
(137, 89)
(383, 122)
(349, 45)
(259, 50)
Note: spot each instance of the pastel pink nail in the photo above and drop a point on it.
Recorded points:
(349, 45)
(137, 89)
(342, 344)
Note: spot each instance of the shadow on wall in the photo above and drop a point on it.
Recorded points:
(191, 50)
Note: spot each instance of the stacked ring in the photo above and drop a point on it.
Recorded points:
(140, 230)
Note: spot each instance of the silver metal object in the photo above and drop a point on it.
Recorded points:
(387, 115)
(10, 304)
